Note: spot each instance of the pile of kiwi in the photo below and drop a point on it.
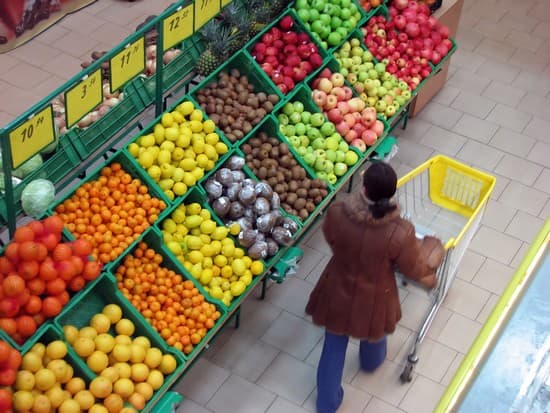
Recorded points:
(271, 160)
(233, 105)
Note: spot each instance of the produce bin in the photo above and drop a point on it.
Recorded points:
(54, 168)
(245, 64)
(79, 312)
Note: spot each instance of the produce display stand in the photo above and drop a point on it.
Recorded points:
(82, 153)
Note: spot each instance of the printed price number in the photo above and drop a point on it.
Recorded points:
(127, 64)
(32, 136)
(205, 10)
(177, 27)
(83, 98)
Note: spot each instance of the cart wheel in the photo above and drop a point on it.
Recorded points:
(406, 375)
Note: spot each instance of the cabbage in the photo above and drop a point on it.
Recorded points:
(30, 166)
(37, 196)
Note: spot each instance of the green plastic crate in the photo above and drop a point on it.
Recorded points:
(153, 239)
(197, 195)
(243, 62)
(54, 168)
(271, 127)
(169, 403)
(299, 28)
(88, 141)
(79, 312)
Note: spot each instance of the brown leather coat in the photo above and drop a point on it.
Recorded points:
(357, 293)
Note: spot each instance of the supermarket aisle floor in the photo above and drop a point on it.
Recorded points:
(494, 113)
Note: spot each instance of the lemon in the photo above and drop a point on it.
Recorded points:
(186, 264)
(202, 160)
(40, 349)
(195, 257)
(193, 242)
(169, 194)
(187, 164)
(195, 126)
(209, 165)
(147, 141)
(104, 342)
(234, 228)
(193, 221)
(220, 260)
(237, 288)
(217, 246)
(169, 225)
(246, 279)
(207, 262)
(206, 276)
(153, 150)
(167, 146)
(84, 346)
(177, 154)
(178, 117)
(167, 120)
(247, 261)
(193, 208)
(196, 270)
(212, 139)
(154, 172)
(111, 373)
(44, 379)
(85, 399)
(226, 271)
(183, 140)
(198, 173)
(207, 251)
(185, 108)
(164, 156)
(179, 188)
(142, 341)
(198, 148)
(221, 148)
(125, 327)
(101, 387)
(226, 300)
(181, 229)
(31, 362)
(158, 133)
(167, 170)
(153, 357)
(178, 174)
(228, 250)
(257, 267)
(133, 148)
(172, 133)
(140, 372)
(219, 233)
(166, 184)
(204, 238)
(174, 247)
(238, 267)
(101, 323)
(22, 400)
(186, 130)
(178, 216)
(215, 282)
(146, 160)
(239, 253)
(24, 380)
(97, 361)
(59, 368)
(196, 115)
(208, 126)
(207, 226)
(210, 151)
(216, 292)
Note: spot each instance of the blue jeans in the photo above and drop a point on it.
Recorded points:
(331, 367)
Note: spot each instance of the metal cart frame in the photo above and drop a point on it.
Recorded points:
(447, 199)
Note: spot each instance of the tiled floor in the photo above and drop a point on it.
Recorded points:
(493, 113)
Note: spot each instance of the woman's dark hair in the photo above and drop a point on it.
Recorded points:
(380, 184)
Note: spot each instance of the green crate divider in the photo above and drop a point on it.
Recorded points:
(303, 94)
(256, 76)
(153, 238)
(182, 66)
(80, 311)
(149, 129)
(299, 28)
(130, 166)
(197, 195)
(52, 333)
(169, 403)
(268, 262)
(54, 168)
(87, 141)
(271, 127)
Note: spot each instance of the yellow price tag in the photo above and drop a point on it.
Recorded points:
(177, 27)
(127, 64)
(32, 136)
(82, 98)
(226, 2)
(204, 11)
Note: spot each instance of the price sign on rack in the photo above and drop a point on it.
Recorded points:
(127, 64)
(177, 27)
(32, 136)
(83, 97)
(205, 10)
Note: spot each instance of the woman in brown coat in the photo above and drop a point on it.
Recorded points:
(357, 296)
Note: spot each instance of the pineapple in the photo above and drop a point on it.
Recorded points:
(217, 37)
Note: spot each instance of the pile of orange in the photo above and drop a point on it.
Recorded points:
(110, 212)
(172, 305)
(10, 360)
(37, 271)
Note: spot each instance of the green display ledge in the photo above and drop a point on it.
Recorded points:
(508, 365)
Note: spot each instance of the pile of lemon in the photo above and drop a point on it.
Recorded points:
(209, 253)
(182, 147)
(128, 370)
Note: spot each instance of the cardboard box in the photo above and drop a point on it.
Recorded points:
(449, 15)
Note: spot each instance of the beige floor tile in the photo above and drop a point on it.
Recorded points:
(447, 94)
(318, 243)
(440, 115)
(26, 76)
(468, 38)
(467, 60)
(413, 153)
(518, 258)
(498, 215)
(19, 100)
(515, 17)
(281, 405)
(524, 40)
(413, 310)
(518, 169)
(537, 128)
(439, 322)
(351, 365)
(290, 378)
(384, 383)
(524, 198)
(189, 406)
(524, 226)
(5, 118)
(233, 349)
(416, 129)
(503, 93)
(396, 341)
(35, 53)
(474, 104)
(293, 335)
(111, 33)
(48, 86)
(487, 308)
(535, 104)
(257, 315)
(495, 245)
(229, 398)
(527, 60)
(443, 141)
(423, 396)
(65, 67)
(466, 299)
(202, 381)
(459, 333)
(542, 30)
(491, 30)
(532, 82)
(379, 406)
(466, 80)
(253, 362)
(493, 276)
(84, 23)
(540, 153)
(470, 264)
(543, 181)
(545, 213)
(452, 369)
(7, 62)
(494, 49)
(509, 117)
(475, 128)
(487, 11)
(291, 295)
(316, 272)
(512, 142)
(77, 44)
(479, 155)
(355, 400)
(310, 259)
(498, 71)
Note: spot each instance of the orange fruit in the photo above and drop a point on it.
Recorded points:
(23, 234)
(26, 326)
(51, 306)
(13, 285)
(53, 224)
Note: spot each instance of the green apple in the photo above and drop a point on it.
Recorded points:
(367, 56)
(300, 128)
(327, 129)
(343, 146)
(380, 68)
(340, 156)
(304, 141)
(390, 111)
(332, 142)
(380, 106)
(295, 118)
(320, 164)
(290, 130)
(294, 141)
(309, 158)
(283, 119)
(288, 109)
(340, 168)
(318, 143)
(320, 154)
(382, 91)
(304, 15)
(351, 158)
(331, 155)
(332, 178)
(317, 119)
(322, 176)
(371, 101)
(305, 117)
(302, 151)
(329, 166)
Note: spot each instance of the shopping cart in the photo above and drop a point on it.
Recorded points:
(446, 199)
